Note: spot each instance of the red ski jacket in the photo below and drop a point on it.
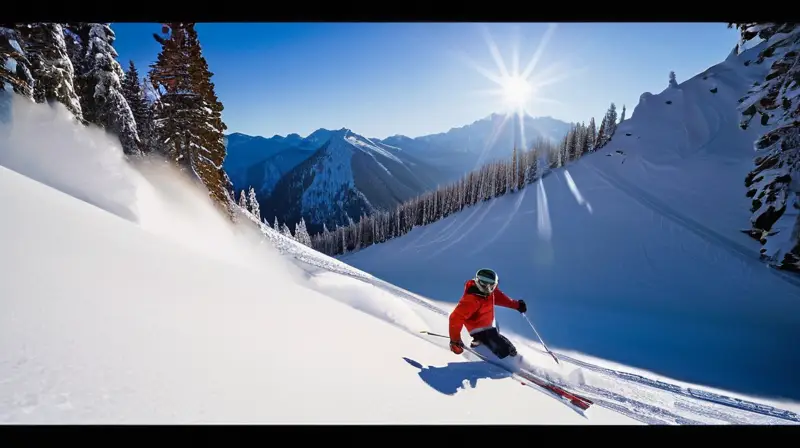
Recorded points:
(475, 310)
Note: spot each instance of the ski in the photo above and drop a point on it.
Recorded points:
(561, 393)
(529, 379)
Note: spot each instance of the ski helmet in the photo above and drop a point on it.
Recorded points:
(486, 279)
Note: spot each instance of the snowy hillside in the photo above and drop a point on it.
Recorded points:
(348, 176)
(633, 254)
(640, 395)
(140, 304)
(169, 316)
(465, 148)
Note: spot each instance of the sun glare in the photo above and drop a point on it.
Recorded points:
(516, 91)
(518, 88)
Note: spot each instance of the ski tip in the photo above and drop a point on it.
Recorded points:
(581, 404)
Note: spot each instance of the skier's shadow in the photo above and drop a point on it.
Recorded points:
(450, 378)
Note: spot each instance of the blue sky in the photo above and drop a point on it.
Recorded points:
(382, 79)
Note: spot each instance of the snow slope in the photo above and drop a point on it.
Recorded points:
(633, 257)
(161, 313)
(640, 395)
(169, 315)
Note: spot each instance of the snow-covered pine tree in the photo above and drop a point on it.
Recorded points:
(134, 94)
(622, 116)
(672, 81)
(275, 226)
(553, 155)
(523, 159)
(512, 182)
(15, 73)
(355, 230)
(611, 125)
(212, 129)
(286, 231)
(188, 116)
(252, 201)
(325, 232)
(375, 232)
(532, 169)
(301, 233)
(50, 65)
(243, 201)
(100, 88)
(774, 184)
(592, 137)
(75, 34)
(570, 144)
(562, 150)
(580, 138)
(601, 133)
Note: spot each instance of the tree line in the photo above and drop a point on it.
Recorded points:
(172, 112)
(490, 181)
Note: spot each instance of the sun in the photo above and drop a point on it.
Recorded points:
(516, 91)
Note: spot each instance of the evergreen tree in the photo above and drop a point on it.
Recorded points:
(50, 65)
(611, 126)
(622, 116)
(286, 231)
(672, 81)
(514, 169)
(773, 183)
(276, 226)
(15, 73)
(75, 33)
(301, 233)
(134, 95)
(591, 138)
(100, 88)
(243, 201)
(255, 209)
(189, 113)
(600, 140)
(580, 141)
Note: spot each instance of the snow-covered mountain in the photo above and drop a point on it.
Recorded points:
(465, 148)
(259, 162)
(634, 253)
(140, 304)
(349, 175)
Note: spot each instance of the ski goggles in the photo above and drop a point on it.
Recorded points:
(486, 283)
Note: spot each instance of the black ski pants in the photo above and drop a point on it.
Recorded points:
(496, 342)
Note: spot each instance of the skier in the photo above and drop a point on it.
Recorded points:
(475, 310)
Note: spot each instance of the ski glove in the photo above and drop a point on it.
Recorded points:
(457, 347)
(521, 306)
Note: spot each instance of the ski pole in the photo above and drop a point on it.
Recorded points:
(441, 336)
(434, 334)
(540, 338)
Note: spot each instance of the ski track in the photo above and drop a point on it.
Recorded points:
(694, 403)
(708, 235)
(638, 407)
(486, 209)
(517, 203)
